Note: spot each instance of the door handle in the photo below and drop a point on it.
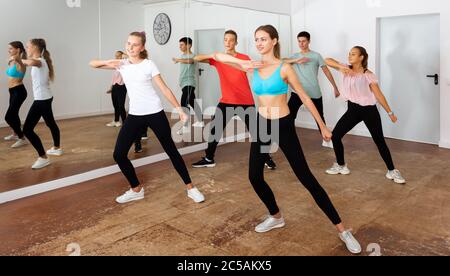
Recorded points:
(200, 71)
(436, 78)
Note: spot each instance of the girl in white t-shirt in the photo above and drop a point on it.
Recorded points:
(42, 73)
(146, 110)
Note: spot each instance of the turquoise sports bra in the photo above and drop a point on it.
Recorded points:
(273, 86)
(14, 73)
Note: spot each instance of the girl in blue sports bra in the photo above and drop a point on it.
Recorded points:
(17, 92)
(270, 84)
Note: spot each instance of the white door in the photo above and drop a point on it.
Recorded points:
(209, 41)
(409, 55)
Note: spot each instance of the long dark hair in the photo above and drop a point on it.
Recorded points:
(273, 33)
(19, 45)
(42, 47)
(143, 37)
(365, 61)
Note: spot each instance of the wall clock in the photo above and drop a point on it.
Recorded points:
(162, 28)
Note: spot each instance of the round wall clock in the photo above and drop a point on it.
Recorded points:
(162, 28)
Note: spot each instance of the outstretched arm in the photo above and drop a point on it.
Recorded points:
(296, 60)
(183, 60)
(112, 64)
(243, 65)
(31, 62)
(337, 66)
(203, 58)
(293, 81)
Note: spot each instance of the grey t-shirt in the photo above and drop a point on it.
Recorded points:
(308, 73)
(187, 72)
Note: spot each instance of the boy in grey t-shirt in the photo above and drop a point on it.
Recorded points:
(188, 82)
(306, 64)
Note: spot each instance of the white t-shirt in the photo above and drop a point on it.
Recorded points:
(41, 81)
(144, 100)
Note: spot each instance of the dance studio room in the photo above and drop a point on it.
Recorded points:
(224, 128)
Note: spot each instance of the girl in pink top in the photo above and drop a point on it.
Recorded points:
(118, 96)
(361, 90)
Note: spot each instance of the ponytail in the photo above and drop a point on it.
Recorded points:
(42, 47)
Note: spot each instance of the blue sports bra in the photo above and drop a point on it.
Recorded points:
(273, 86)
(14, 73)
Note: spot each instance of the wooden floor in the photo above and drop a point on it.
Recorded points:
(87, 143)
(403, 220)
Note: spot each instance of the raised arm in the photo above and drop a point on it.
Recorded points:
(112, 64)
(382, 100)
(168, 94)
(293, 81)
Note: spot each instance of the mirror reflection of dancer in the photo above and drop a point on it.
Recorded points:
(42, 73)
(17, 92)
(188, 83)
(146, 110)
(270, 84)
(236, 96)
(361, 90)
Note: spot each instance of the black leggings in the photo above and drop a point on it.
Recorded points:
(371, 118)
(17, 97)
(132, 129)
(290, 145)
(119, 95)
(188, 98)
(295, 103)
(224, 113)
(41, 109)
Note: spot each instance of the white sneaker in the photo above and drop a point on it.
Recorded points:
(269, 224)
(396, 176)
(19, 143)
(350, 242)
(114, 124)
(11, 137)
(184, 130)
(55, 152)
(130, 196)
(198, 124)
(40, 163)
(196, 195)
(337, 169)
(326, 144)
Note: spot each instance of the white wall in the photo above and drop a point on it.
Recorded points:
(72, 36)
(338, 25)
(202, 16)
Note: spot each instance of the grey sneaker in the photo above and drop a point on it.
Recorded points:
(337, 169)
(396, 176)
(350, 242)
(269, 224)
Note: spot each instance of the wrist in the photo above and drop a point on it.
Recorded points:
(391, 113)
